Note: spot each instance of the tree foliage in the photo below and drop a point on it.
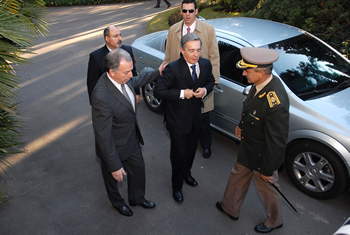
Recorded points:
(20, 23)
(329, 20)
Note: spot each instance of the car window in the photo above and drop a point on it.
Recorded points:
(229, 56)
(310, 68)
(158, 42)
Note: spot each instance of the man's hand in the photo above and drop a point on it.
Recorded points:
(188, 93)
(238, 132)
(200, 92)
(162, 67)
(267, 179)
(118, 175)
(137, 98)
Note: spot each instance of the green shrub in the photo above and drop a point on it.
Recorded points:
(328, 20)
(21, 21)
(332, 25)
(84, 2)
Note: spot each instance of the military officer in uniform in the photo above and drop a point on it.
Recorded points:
(263, 131)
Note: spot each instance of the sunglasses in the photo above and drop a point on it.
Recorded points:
(185, 10)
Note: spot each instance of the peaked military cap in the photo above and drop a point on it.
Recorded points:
(253, 57)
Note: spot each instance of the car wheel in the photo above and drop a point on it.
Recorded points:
(316, 170)
(154, 104)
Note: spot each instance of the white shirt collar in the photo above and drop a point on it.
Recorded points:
(108, 48)
(192, 27)
(119, 86)
(127, 88)
(197, 68)
(262, 85)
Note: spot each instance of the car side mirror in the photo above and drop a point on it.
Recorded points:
(246, 90)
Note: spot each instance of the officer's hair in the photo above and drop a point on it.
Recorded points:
(267, 70)
(189, 37)
(113, 58)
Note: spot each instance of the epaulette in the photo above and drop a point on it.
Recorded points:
(273, 99)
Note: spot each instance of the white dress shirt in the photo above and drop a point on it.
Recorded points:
(182, 92)
(192, 28)
(127, 88)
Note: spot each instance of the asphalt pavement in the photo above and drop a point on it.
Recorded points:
(56, 186)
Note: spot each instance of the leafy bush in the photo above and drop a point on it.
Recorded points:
(328, 20)
(84, 2)
(20, 22)
(332, 25)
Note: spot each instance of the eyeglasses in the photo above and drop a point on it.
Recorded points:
(185, 10)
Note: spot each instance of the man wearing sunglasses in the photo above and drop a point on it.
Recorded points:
(210, 50)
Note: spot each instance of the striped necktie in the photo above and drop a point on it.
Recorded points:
(125, 93)
(194, 74)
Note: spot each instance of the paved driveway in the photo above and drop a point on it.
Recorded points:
(56, 187)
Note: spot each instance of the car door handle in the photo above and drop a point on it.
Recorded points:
(218, 89)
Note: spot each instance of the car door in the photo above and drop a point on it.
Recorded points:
(228, 95)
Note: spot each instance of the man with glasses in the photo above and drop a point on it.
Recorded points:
(210, 50)
(183, 85)
(113, 39)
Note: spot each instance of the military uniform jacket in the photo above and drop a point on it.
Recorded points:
(265, 125)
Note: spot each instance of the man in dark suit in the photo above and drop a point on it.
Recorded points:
(117, 133)
(183, 85)
(113, 39)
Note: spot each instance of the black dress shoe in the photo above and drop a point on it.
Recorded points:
(178, 196)
(207, 153)
(261, 228)
(169, 5)
(125, 210)
(218, 205)
(156, 6)
(191, 181)
(146, 204)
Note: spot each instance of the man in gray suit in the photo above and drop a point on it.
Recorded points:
(117, 133)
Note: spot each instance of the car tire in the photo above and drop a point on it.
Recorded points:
(316, 170)
(154, 104)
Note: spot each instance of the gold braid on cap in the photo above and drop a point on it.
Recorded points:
(243, 65)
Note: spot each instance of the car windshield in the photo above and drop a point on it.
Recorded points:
(310, 68)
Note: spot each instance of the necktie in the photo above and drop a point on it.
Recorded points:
(194, 74)
(125, 93)
(188, 30)
(251, 94)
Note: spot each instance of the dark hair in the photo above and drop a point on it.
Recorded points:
(189, 37)
(106, 31)
(113, 58)
(189, 1)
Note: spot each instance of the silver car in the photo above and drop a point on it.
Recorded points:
(316, 78)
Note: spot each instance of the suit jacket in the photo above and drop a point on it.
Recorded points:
(114, 120)
(210, 51)
(96, 67)
(183, 114)
(265, 126)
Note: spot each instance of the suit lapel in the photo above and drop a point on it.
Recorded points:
(185, 71)
(117, 94)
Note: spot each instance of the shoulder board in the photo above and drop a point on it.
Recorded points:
(273, 99)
